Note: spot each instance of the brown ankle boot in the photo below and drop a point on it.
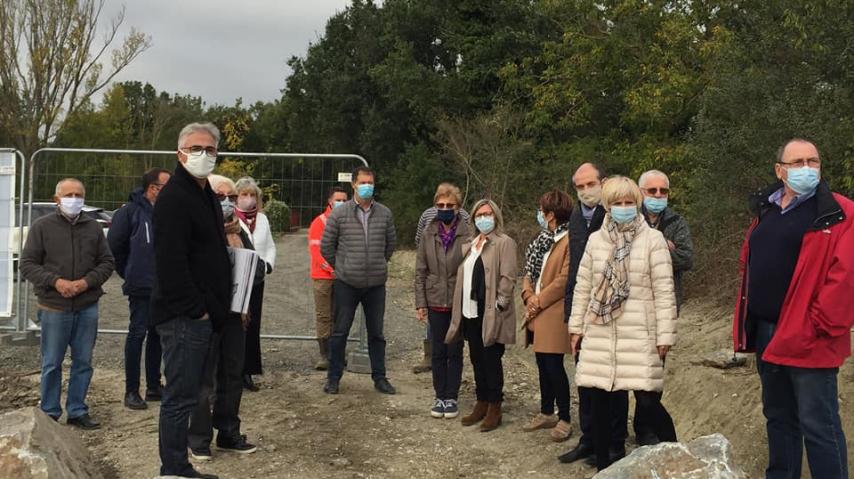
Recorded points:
(426, 364)
(493, 417)
(476, 415)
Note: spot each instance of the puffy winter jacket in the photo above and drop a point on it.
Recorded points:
(622, 355)
(360, 259)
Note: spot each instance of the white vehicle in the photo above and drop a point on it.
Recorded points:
(45, 208)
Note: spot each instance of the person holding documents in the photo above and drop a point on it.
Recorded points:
(191, 288)
(358, 243)
(222, 384)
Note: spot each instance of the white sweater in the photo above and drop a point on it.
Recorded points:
(622, 355)
(262, 239)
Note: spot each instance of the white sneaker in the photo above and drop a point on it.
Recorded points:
(451, 409)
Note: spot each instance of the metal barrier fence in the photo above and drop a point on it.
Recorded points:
(299, 180)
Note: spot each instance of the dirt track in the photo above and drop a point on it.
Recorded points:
(359, 433)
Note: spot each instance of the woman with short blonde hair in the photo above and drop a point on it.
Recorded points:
(625, 308)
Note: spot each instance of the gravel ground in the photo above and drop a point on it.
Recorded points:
(302, 432)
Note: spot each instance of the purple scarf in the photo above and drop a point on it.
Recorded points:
(447, 235)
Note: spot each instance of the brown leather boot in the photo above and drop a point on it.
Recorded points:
(323, 364)
(478, 413)
(426, 364)
(493, 417)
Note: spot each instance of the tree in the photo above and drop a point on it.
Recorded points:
(51, 65)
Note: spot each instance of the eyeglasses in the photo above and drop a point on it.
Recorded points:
(196, 149)
(812, 162)
(446, 206)
(655, 191)
(221, 197)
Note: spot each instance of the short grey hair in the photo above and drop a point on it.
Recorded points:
(64, 180)
(647, 174)
(249, 183)
(499, 220)
(208, 128)
(782, 149)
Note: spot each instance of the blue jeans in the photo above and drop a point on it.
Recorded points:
(346, 299)
(59, 331)
(800, 406)
(185, 344)
(138, 330)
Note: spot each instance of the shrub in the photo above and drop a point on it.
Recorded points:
(279, 215)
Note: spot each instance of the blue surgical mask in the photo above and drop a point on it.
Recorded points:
(485, 224)
(446, 216)
(802, 180)
(623, 214)
(365, 191)
(655, 205)
(336, 204)
(227, 208)
(541, 220)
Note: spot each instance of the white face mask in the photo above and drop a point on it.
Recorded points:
(591, 196)
(71, 206)
(200, 164)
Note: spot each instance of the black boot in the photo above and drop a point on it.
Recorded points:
(249, 384)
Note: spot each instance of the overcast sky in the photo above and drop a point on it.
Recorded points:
(221, 49)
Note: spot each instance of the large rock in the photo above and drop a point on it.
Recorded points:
(707, 457)
(34, 446)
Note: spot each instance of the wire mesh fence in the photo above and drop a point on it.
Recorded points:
(299, 182)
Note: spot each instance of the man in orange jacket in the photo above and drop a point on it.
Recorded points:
(322, 276)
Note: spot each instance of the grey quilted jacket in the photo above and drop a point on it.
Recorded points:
(360, 259)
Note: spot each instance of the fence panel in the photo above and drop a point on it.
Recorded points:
(299, 181)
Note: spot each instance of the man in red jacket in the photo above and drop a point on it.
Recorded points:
(322, 276)
(794, 310)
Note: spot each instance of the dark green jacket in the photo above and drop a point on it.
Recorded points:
(56, 249)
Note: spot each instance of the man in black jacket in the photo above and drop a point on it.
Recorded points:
(67, 259)
(192, 290)
(586, 219)
(132, 243)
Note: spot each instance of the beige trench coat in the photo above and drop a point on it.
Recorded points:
(499, 267)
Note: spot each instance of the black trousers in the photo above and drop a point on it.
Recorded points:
(346, 299)
(619, 406)
(252, 358)
(554, 385)
(603, 419)
(486, 362)
(222, 387)
(447, 359)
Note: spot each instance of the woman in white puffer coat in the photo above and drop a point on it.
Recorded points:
(624, 307)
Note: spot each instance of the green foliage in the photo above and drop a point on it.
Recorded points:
(279, 215)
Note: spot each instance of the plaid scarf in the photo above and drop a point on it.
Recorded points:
(606, 303)
(537, 249)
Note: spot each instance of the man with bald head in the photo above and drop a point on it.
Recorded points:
(794, 309)
(67, 259)
(586, 219)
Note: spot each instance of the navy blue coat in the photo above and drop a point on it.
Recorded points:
(131, 239)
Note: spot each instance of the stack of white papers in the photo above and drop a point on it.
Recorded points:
(243, 265)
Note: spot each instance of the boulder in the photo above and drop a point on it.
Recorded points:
(707, 457)
(34, 446)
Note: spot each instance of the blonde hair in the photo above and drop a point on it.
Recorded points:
(618, 188)
(448, 189)
(247, 183)
(496, 211)
(217, 180)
